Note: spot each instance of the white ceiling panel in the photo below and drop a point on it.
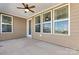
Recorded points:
(11, 8)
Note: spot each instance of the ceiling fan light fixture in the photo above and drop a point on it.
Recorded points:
(26, 10)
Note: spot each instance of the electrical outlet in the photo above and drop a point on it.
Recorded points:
(40, 35)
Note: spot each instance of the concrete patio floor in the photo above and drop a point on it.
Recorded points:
(27, 46)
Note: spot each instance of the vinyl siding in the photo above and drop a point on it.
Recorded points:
(71, 41)
(19, 29)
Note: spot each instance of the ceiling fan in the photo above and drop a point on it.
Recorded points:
(26, 8)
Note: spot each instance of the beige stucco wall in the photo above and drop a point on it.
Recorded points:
(19, 29)
(71, 41)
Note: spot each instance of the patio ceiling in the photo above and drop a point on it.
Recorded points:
(11, 8)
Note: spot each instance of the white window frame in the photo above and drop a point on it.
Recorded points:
(7, 23)
(38, 23)
(27, 30)
(47, 22)
(62, 20)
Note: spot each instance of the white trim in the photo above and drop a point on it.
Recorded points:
(60, 6)
(37, 24)
(52, 7)
(62, 20)
(1, 23)
(41, 23)
(46, 12)
(47, 22)
(27, 32)
(51, 22)
(69, 18)
(7, 23)
(12, 23)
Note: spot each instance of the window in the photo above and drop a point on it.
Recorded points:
(61, 20)
(47, 17)
(37, 24)
(61, 27)
(6, 23)
(47, 28)
(61, 13)
(47, 22)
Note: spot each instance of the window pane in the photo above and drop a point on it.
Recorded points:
(6, 28)
(61, 27)
(37, 19)
(6, 19)
(37, 28)
(47, 17)
(61, 13)
(47, 27)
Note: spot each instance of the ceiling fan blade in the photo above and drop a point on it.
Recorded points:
(25, 11)
(23, 4)
(20, 8)
(31, 11)
(32, 7)
(26, 5)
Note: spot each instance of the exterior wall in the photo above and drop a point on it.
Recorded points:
(71, 41)
(19, 29)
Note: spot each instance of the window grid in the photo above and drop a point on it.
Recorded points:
(38, 24)
(47, 22)
(7, 24)
(61, 20)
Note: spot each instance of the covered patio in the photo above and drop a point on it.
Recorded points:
(28, 46)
